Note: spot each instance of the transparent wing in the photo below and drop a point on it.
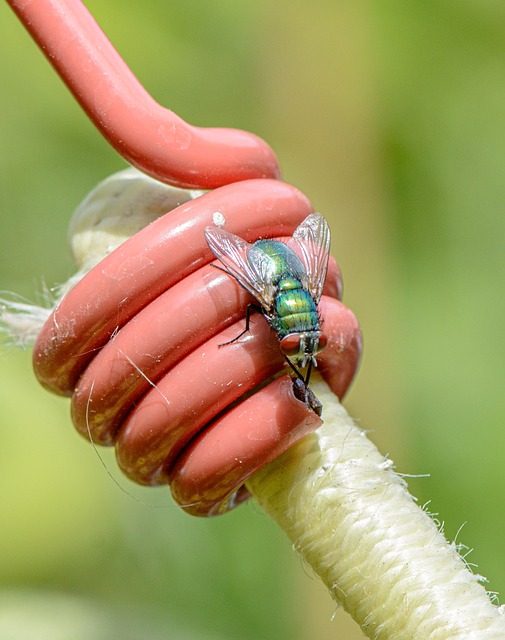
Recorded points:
(249, 265)
(313, 239)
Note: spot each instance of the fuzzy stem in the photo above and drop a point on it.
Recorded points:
(382, 558)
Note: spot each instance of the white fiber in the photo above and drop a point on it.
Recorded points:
(382, 558)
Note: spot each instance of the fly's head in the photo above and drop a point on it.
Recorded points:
(302, 348)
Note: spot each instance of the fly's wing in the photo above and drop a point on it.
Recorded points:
(249, 265)
(313, 239)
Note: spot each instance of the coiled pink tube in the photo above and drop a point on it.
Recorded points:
(136, 342)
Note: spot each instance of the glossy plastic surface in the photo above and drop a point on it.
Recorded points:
(136, 345)
(150, 137)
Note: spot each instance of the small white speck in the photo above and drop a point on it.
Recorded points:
(218, 219)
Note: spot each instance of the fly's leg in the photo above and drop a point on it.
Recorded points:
(297, 372)
(304, 379)
(250, 306)
(309, 371)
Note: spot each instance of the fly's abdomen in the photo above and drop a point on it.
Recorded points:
(295, 310)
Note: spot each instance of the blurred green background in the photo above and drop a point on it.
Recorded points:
(390, 116)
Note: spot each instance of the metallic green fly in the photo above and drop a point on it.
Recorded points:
(286, 279)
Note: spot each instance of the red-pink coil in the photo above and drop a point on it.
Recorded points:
(136, 342)
(136, 345)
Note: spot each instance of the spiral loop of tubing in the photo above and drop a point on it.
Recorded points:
(136, 345)
(136, 341)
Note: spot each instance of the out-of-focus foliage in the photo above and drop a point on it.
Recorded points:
(390, 117)
(443, 137)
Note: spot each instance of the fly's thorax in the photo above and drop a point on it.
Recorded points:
(285, 262)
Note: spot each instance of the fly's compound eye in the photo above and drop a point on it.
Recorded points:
(322, 342)
(290, 345)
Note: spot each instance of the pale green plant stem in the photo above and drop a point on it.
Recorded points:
(382, 558)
